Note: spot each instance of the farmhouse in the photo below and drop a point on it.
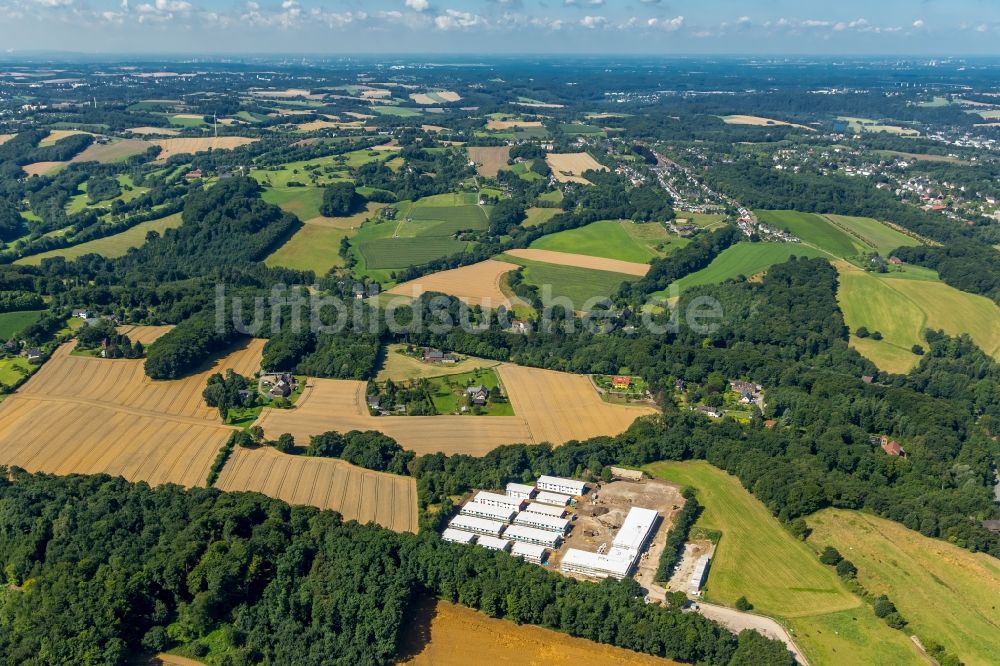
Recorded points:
(494, 543)
(711, 412)
(529, 552)
(533, 535)
(502, 513)
(496, 499)
(458, 536)
(558, 484)
(34, 355)
(621, 383)
(546, 509)
(520, 491)
(542, 522)
(555, 499)
(892, 447)
(438, 356)
(477, 395)
(476, 525)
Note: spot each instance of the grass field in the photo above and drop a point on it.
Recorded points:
(746, 259)
(383, 253)
(12, 323)
(440, 634)
(13, 369)
(901, 309)
(613, 239)
(861, 125)
(447, 391)
(708, 221)
(781, 576)
(109, 246)
(872, 233)
(315, 247)
(401, 367)
(948, 594)
(813, 230)
(579, 285)
(537, 216)
(303, 202)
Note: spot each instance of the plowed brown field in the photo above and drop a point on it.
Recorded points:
(356, 493)
(549, 406)
(581, 261)
(489, 160)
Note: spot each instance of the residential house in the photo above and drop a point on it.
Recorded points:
(34, 355)
(709, 411)
(621, 383)
(478, 395)
(520, 326)
(82, 314)
(891, 447)
(433, 356)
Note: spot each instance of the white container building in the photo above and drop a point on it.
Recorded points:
(458, 536)
(542, 522)
(698, 575)
(546, 509)
(533, 535)
(493, 543)
(555, 499)
(616, 563)
(476, 525)
(638, 527)
(496, 499)
(529, 552)
(502, 513)
(557, 484)
(521, 491)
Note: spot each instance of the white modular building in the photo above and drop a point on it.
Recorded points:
(502, 513)
(555, 499)
(529, 552)
(496, 499)
(638, 527)
(542, 522)
(533, 535)
(616, 563)
(698, 575)
(458, 536)
(476, 525)
(493, 543)
(546, 509)
(557, 484)
(520, 491)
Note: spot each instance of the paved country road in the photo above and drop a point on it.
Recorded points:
(736, 621)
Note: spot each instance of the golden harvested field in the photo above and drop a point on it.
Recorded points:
(400, 367)
(290, 92)
(489, 160)
(948, 594)
(4, 138)
(58, 135)
(115, 151)
(88, 415)
(183, 146)
(42, 168)
(548, 406)
(757, 120)
(441, 634)
(569, 167)
(433, 128)
(318, 125)
(511, 124)
(153, 131)
(356, 493)
(432, 98)
(581, 261)
(478, 284)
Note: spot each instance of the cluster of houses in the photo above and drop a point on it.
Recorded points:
(526, 521)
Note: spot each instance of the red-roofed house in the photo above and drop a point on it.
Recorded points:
(621, 383)
(892, 447)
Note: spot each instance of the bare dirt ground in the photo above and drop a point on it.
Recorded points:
(478, 284)
(548, 406)
(489, 160)
(680, 581)
(441, 634)
(581, 261)
(88, 415)
(4, 138)
(185, 145)
(569, 167)
(511, 124)
(357, 494)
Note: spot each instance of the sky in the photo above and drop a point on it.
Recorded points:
(674, 27)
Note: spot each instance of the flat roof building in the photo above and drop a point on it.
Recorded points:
(493, 543)
(698, 575)
(555, 499)
(533, 535)
(496, 499)
(635, 531)
(502, 513)
(557, 484)
(529, 552)
(546, 509)
(520, 491)
(542, 522)
(458, 536)
(476, 525)
(616, 563)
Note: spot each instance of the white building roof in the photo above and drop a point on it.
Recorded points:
(698, 575)
(473, 524)
(577, 487)
(457, 536)
(542, 521)
(493, 543)
(520, 488)
(501, 513)
(546, 509)
(635, 529)
(546, 497)
(485, 497)
(529, 550)
(532, 535)
(613, 563)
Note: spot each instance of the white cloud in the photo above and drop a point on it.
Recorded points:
(418, 5)
(453, 19)
(591, 22)
(668, 24)
(583, 3)
(918, 24)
